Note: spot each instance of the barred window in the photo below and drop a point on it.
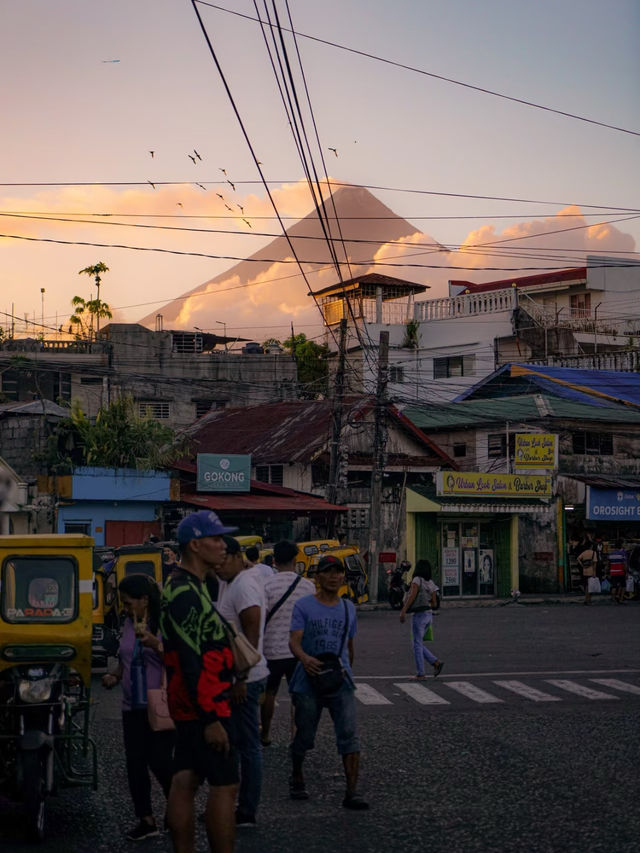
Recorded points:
(157, 409)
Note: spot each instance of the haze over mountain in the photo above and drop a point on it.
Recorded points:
(267, 288)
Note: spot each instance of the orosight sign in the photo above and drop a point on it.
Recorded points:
(223, 472)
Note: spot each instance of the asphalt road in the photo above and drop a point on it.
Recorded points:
(445, 767)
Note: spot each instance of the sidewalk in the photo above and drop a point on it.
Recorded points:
(541, 598)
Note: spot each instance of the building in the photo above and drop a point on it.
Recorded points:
(587, 316)
(173, 376)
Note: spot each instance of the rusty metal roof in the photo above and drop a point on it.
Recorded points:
(295, 431)
(296, 502)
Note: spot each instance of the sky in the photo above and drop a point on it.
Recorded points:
(91, 89)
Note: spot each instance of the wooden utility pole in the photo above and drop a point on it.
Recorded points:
(379, 453)
(336, 422)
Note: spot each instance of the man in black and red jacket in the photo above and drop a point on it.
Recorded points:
(199, 666)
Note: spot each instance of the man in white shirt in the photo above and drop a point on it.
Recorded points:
(241, 600)
(261, 570)
(285, 582)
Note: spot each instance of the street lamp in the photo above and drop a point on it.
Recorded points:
(224, 329)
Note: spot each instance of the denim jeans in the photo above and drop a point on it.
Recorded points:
(342, 708)
(246, 728)
(420, 623)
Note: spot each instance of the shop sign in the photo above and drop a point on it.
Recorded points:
(218, 472)
(605, 504)
(536, 450)
(450, 566)
(474, 484)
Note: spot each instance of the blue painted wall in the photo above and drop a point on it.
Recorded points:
(96, 513)
(120, 484)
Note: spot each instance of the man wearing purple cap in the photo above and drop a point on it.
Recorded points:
(199, 666)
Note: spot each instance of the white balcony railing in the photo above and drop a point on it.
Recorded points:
(465, 305)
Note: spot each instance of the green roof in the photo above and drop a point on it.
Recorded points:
(530, 407)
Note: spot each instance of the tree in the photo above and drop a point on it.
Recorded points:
(117, 439)
(94, 308)
(311, 360)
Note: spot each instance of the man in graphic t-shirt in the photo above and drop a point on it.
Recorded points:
(324, 623)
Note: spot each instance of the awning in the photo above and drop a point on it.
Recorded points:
(427, 502)
(260, 503)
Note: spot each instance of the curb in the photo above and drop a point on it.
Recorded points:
(500, 602)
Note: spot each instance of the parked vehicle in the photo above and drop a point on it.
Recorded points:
(139, 559)
(398, 585)
(105, 617)
(45, 670)
(308, 550)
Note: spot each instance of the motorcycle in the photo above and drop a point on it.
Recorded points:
(45, 670)
(397, 585)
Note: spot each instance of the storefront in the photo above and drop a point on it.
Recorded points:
(473, 543)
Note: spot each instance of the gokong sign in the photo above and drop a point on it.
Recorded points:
(536, 450)
(219, 472)
(613, 504)
(474, 484)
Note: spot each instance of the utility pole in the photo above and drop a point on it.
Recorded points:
(336, 419)
(379, 447)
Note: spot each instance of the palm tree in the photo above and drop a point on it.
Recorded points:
(84, 312)
(95, 271)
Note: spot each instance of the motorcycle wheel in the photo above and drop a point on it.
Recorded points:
(395, 599)
(33, 787)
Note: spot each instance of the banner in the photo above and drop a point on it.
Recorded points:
(474, 484)
(536, 450)
(613, 504)
(218, 472)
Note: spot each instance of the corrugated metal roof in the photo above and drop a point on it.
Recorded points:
(528, 408)
(295, 431)
(576, 274)
(608, 481)
(595, 387)
(34, 407)
(296, 502)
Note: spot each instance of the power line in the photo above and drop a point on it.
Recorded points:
(433, 75)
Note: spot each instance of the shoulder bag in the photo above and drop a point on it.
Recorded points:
(158, 708)
(282, 599)
(245, 656)
(331, 677)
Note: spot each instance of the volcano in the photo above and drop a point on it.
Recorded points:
(282, 290)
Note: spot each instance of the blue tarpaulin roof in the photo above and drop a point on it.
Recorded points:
(596, 387)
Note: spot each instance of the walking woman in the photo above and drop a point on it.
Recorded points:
(140, 668)
(419, 601)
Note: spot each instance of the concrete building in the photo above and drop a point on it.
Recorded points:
(173, 376)
(587, 316)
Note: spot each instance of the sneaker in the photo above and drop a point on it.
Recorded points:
(437, 668)
(143, 830)
(243, 819)
(355, 802)
(297, 790)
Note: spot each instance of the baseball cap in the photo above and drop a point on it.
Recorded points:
(329, 562)
(233, 546)
(200, 524)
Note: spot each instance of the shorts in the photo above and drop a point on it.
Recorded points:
(278, 668)
(617, 581)
(307, 712)
(192, 753)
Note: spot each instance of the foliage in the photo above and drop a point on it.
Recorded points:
(311, 361)
(85, 312)
(411, 335)
(117, 439)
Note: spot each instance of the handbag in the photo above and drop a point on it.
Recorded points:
(158, 708)
(331, 677)
(428, 634)
(421, 602)
(245, 656)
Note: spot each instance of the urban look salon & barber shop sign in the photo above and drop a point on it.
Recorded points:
(474, 484)
(219, 472)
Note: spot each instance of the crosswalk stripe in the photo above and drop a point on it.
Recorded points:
(368, 695)
(579, 689)
(617, 685)
(528, 692)
(421, 694)
(472, 692)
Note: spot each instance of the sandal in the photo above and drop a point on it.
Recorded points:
(355, 802)
(419, 677)
(297, 790)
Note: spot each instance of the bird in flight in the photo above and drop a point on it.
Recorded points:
(201, 187)
(197, 155)
(191, 157)
(178, 204)
(241, 208)
(152, 153)
(220, 196)
(334, 151)
(224, 171)
(247, 221)
(229, 208)
(111, 60)
(233, 186)
(153, 185)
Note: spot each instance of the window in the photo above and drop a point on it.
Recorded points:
(157, 409)
(580, 305)
(396, 373)
(83, 527)
(496, 445)
(273, 474)
(592, 444)
(454, 365)
(204, 406)
(91, 380)
(333, 311)
(39, 589)
(459, 450)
